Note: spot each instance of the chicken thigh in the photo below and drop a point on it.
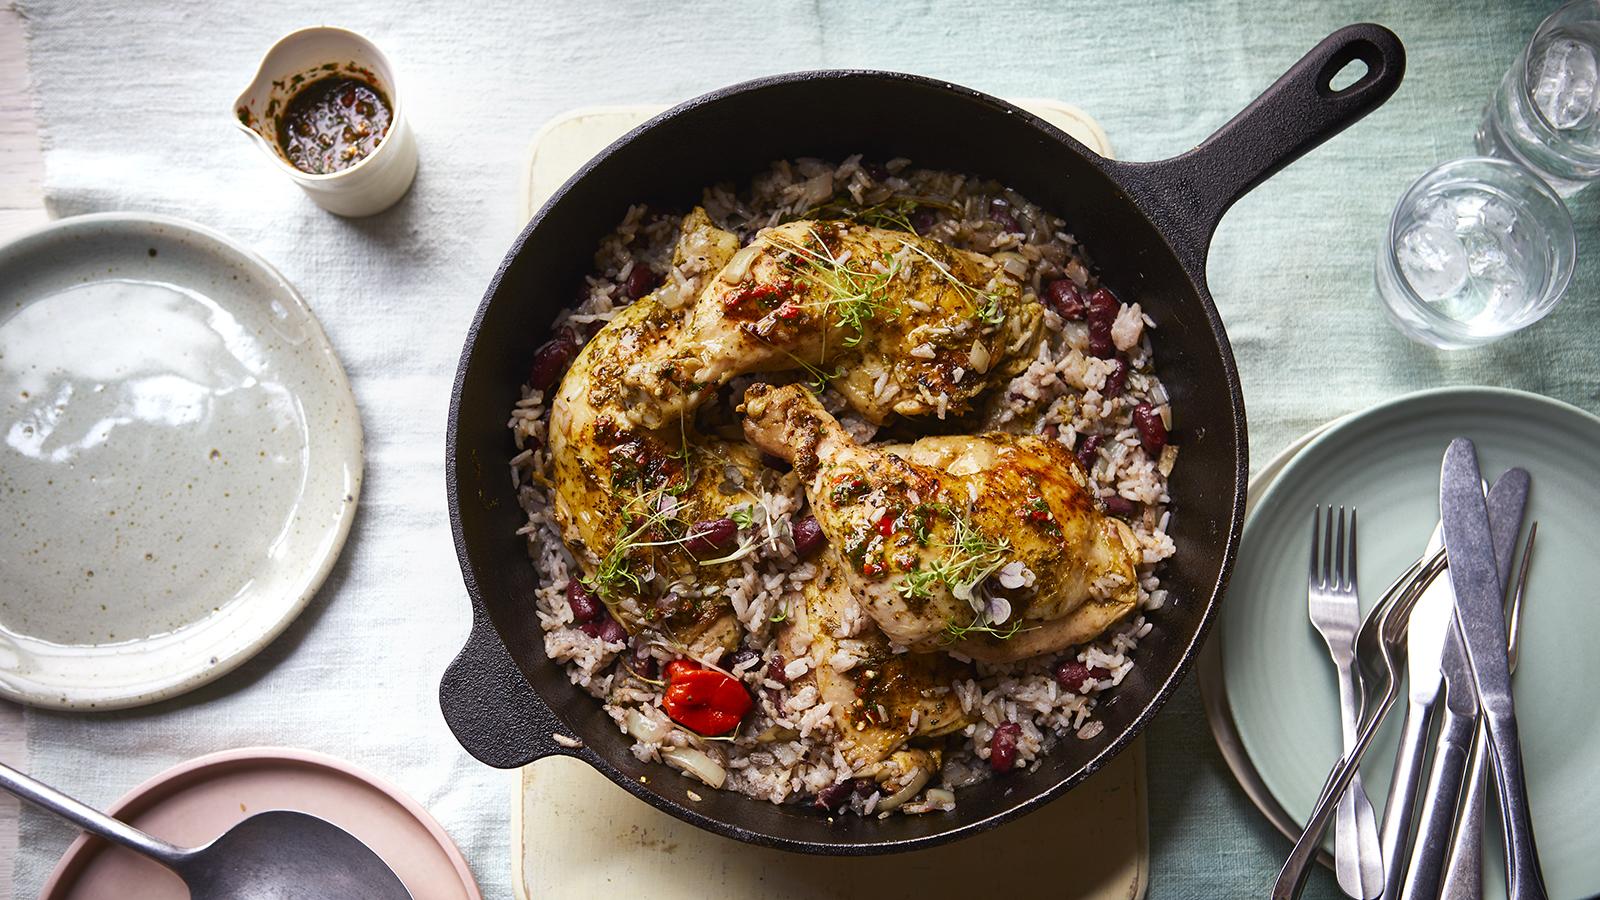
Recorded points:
(899, 324)
(991, 546)
(881, 700)
(627, 498)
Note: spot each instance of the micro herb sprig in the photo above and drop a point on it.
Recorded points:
(986, 306)
(954, 633)
(968, 558)
(894, 213)
(856, 291)
(917, 584)
(744, 516)
(615, 570)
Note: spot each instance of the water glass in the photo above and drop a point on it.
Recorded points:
(1476, 249)
(1546, 112)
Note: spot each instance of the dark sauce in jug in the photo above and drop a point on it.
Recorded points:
(332, 124)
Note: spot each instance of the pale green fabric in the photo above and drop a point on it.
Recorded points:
(134, 100)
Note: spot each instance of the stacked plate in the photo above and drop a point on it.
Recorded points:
(1269, 687)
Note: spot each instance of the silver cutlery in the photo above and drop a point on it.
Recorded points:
(1505, 505)
(1480, 615)
(1335, 612)
(1430, 620)
(1389, 619)
(1463, 877)
(1381, 648)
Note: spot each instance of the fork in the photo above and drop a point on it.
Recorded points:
(1335, 610)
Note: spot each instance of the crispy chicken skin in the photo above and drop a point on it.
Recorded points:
(622, 492)
(992, 546)
(900, 324)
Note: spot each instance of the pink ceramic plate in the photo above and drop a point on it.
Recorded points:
(194, 802)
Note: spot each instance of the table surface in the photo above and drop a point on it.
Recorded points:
(1217, 823)
(21, 207)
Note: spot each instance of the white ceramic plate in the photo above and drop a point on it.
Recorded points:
(181, 459)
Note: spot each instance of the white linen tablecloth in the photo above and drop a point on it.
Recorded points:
(134, 101)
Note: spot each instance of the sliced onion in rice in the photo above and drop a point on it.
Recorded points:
(918, 780)
(935, 800)
(693, 762)
(642, 728)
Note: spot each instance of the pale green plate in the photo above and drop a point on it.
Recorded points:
(1385, 461)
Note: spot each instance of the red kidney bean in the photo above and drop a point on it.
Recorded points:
(711, 536)
(743, 657)
(1152, 431)
(1088, 450)
(641, 280)
(1120, 506)
(550, 360)
(1003, 747)
(1078, 677)
(1116, 379)
(808, 537)
(1102, 313)
(612, 632)
(775, 669)
(1000, 212)
(1051, 432)
(876, 170)
(606, 629)
(834, 796)
(1066, 298)
(585, 606)
(923, 220)
(864, 787)
(1101, 303)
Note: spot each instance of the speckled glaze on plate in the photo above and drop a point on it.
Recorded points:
(1270, 690)
(181, 459)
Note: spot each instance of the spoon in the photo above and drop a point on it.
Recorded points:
(277, 855)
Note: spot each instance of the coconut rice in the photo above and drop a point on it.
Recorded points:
(1059, 395)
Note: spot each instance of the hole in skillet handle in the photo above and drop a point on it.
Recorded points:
(1188, 194)
(1349, 69)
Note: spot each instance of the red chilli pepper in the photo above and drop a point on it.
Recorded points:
(886, 524)
(706, 701)
(680, 667)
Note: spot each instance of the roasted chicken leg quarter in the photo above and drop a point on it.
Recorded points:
(991, 546)
(899, 324)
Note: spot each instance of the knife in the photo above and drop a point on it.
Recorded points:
(1480, 616)
(1425, 635)
(1507, 501)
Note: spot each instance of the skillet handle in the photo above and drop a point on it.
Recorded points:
(491, 708)
(1189, 194)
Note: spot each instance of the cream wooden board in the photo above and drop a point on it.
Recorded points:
(580, 836)
(577, 835)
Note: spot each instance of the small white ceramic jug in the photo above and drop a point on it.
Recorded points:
(372, 184)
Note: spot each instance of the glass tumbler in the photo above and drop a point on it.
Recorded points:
(1476, 249)
(1546, 112)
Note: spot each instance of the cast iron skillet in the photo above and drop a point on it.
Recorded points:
(1147, 226)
